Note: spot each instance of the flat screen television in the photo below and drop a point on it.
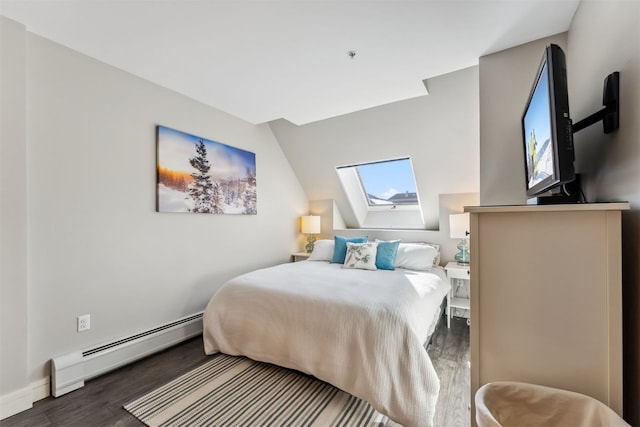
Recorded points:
(546, 127)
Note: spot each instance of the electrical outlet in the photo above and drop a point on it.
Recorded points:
(84, 323)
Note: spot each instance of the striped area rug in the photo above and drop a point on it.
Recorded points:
(236, 391)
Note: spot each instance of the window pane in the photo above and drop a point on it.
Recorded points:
(389, 182)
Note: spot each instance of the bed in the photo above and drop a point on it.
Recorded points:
(362, 331)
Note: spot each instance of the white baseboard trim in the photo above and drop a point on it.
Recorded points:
(101, 361)
(41, 389)
(69, 371)
(14, 402)
(21, 400)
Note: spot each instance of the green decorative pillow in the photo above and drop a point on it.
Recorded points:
(340, 247)
(361, 255)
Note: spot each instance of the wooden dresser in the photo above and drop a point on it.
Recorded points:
(546, 297)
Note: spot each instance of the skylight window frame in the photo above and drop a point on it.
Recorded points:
(383, 216)
(390, 205)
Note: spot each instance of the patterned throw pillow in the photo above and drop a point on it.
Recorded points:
(361, 255)
(340, 247)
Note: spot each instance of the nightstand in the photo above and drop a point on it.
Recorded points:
(455, 272)
(300, 256)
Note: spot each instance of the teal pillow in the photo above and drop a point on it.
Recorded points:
(340, 247)
(386, 254)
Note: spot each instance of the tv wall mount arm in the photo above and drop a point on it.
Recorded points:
(610, 113)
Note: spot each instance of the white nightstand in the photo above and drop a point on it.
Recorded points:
(300, 256)
(456, 271)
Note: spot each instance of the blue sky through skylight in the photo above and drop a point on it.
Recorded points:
(384, 179)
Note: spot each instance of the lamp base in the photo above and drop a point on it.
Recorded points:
(463, 257)
(310, 243)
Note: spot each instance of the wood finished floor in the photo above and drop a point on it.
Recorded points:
(99, 402)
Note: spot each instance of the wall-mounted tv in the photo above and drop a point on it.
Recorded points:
(546, 127)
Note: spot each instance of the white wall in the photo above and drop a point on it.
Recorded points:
(605, 37)
(438, 131)
(506, 78)
(15, 393)
(95, 244)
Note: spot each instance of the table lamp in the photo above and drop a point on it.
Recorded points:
(310, 225)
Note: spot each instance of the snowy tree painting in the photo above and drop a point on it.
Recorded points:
(201, 188)
(202, 176)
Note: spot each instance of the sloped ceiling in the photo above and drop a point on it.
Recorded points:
(264, 60)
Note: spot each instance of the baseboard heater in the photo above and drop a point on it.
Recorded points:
(70, 371)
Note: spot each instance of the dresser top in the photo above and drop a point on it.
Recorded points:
(615, 206)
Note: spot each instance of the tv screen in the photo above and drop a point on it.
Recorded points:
(537, 125)
(546, 127)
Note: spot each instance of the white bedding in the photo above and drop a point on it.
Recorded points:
(362, 331)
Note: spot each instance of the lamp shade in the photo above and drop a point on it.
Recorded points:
(459, 225)
(310, 224)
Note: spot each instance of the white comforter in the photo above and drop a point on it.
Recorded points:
(362, 331)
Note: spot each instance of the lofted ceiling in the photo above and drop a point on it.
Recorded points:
(263, 60)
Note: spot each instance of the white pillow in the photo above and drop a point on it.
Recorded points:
(416, 256)
(361, 255)
(322, 251)
(436, 246)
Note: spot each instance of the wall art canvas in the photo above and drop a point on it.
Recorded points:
(199, 175)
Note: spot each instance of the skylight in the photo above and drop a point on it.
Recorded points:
(383, 194)
(388, 182)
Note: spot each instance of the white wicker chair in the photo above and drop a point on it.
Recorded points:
(507, 404)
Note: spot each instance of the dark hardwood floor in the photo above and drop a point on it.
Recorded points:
(99, 402)
(450, 355)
